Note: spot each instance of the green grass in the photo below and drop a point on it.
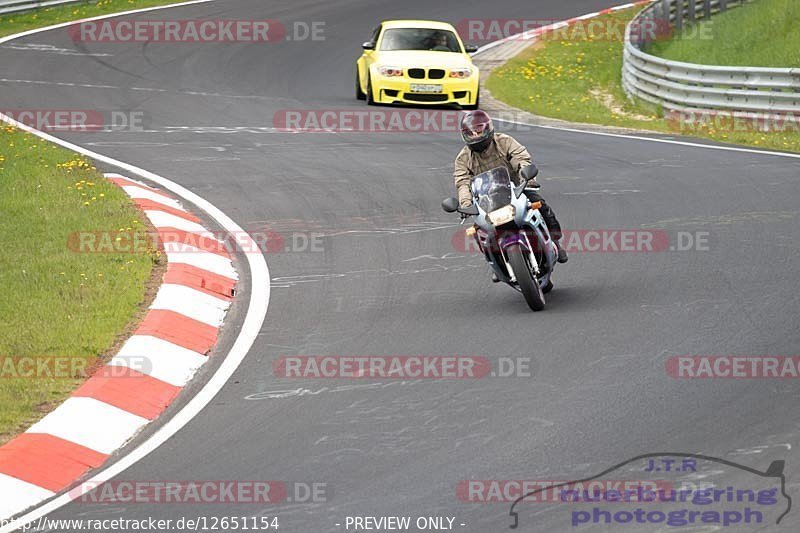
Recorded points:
(18, 22)
(576, 76)
(55, 301)
(765, 33)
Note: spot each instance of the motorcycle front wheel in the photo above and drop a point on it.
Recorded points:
(518, 259)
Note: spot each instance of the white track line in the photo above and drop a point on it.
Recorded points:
(656, 140)
(253, 319)
(99, 17)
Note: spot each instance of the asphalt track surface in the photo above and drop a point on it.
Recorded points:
(390, 282)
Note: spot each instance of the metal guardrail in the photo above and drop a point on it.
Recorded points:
(17, 6)
(683, 87)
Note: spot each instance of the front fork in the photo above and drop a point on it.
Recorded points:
(494, 252)
(520, 237)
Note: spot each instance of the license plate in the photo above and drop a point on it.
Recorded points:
(425, 88)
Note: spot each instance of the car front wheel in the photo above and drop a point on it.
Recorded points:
(359, 93)
(476, 104)
(370, 97)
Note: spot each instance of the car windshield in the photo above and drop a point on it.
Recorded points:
(420, 39)
(492, 189)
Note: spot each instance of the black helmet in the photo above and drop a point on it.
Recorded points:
(477, 130)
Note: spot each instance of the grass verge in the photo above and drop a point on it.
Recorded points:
(575, 75)
(738, 37)
(18, 22)
(54, 301)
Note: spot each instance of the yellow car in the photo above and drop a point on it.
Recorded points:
(417, 62)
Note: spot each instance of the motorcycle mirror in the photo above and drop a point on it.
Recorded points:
(471, 210)
(450, 205)
(529, 172)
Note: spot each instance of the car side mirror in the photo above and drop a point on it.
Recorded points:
(450, 205)
(368, 45)
(470, 48)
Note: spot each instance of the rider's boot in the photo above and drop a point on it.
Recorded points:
(562, 253)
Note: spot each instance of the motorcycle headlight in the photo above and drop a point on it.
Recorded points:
(461, 73)
(390, 71)
(498, 217)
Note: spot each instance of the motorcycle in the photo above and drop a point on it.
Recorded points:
(511, 232)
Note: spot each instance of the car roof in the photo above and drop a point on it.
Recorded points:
(433, 24)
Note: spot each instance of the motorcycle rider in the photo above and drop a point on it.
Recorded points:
(486, 150)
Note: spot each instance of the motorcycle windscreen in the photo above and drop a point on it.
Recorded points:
(492, 189)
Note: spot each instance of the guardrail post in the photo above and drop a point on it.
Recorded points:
(679, 15)
(692, 14)
(706, 9)
(648, 31)
(723, 5)
(662, 9)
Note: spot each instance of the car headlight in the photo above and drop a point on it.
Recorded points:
(461, 73)
(390, 71)
(498, 217)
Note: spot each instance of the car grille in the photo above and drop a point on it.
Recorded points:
(419, 73)
(425, 97)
